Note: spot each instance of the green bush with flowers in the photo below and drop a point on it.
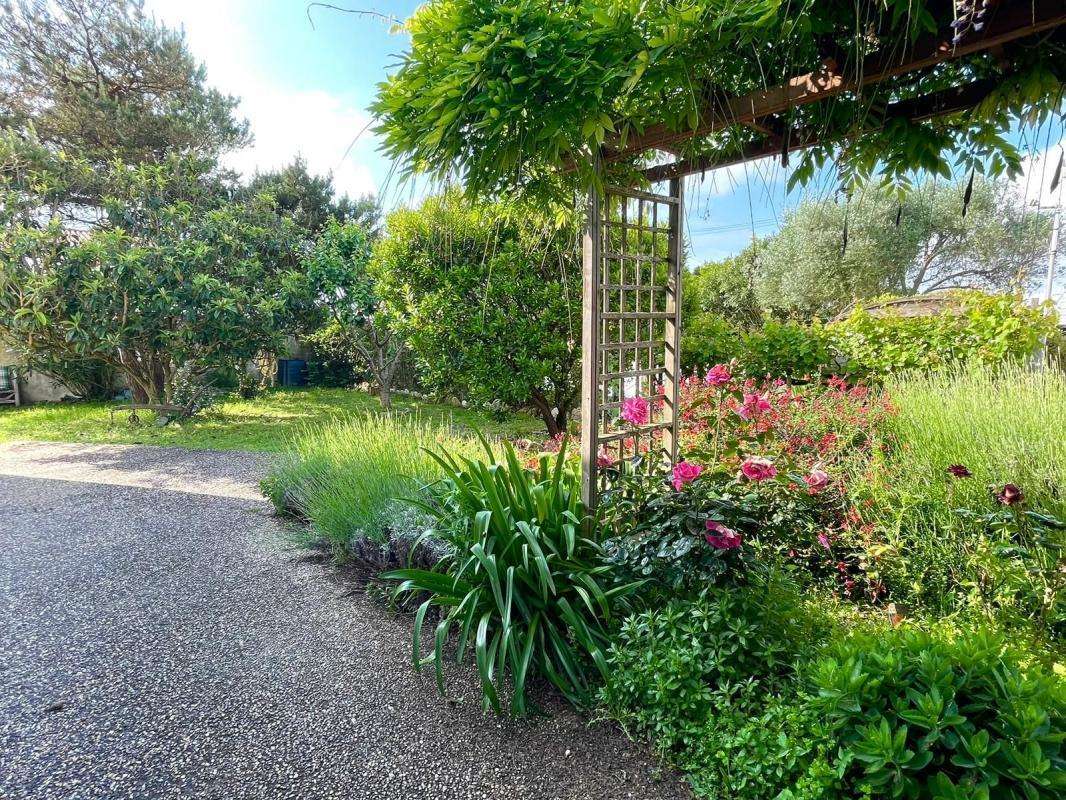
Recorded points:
(786, 582)
(778, 479)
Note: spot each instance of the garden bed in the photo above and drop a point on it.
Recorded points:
(766, 615)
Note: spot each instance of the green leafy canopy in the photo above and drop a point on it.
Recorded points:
(504, 94)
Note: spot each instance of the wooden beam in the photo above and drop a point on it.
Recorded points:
(938, 104)
(1017, 20)
(591, 244)
(672, 355)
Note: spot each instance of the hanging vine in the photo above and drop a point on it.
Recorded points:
(518, 95)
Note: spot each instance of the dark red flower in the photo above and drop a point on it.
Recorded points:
(1010, 495)
(959, 471)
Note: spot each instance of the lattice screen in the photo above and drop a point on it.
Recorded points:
(631, 319)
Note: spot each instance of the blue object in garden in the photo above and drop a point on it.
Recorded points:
(292, 372)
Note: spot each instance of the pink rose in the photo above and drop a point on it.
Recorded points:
(816, 481)
(685, 472)
(718, 375)
(753, 405)
(603, 459)
(721, 537)
(635, 410)
(757, 469)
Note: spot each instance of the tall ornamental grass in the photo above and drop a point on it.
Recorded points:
(945, 541)
(1005, 425)
(345, 478)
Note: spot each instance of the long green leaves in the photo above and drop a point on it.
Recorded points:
(345, 477)
(523, 582)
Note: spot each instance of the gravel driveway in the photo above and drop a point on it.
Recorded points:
(160, 638)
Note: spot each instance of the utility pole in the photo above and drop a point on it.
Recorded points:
(1056, 215)
(1053, 249)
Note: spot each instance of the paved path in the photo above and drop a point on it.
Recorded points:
(160, 638)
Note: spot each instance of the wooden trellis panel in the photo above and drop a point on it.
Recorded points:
(631, 326)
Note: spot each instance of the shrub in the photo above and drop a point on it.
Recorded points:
(708, 339)
(711, 682)
(664, 534)
(761, 747)
(979, 327)
(938, 715)
(789, 350)
(488, 295)
(344, 477)
(522, 584)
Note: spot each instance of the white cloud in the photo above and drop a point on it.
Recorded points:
(285, 122)
(1038, 171)
(755, 175)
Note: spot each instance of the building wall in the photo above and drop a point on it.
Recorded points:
(34, 387)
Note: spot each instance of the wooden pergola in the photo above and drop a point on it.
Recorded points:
(632, 245)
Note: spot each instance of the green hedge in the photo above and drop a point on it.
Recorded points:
(986, 328)
(982, 327)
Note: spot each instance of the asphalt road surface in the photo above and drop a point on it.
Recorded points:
(161, 637)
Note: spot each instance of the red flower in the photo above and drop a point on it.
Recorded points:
(959, 471)
(1010, 495)
(723, 538)
(758, 469)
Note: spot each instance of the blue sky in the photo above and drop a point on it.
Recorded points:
(305, 89)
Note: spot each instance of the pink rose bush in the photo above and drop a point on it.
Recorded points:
(720, 537)
(718, 375)
(753, 406)
(817, 480)
(758, 469)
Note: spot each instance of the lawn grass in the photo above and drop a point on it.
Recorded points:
(267, 423)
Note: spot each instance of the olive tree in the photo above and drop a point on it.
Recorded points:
(829, 254)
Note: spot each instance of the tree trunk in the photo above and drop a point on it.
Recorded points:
(562, 417)
(137, 391)
(544, 411)
(385, 394)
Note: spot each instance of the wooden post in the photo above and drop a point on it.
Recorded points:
(590, 349)
(672, 362)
